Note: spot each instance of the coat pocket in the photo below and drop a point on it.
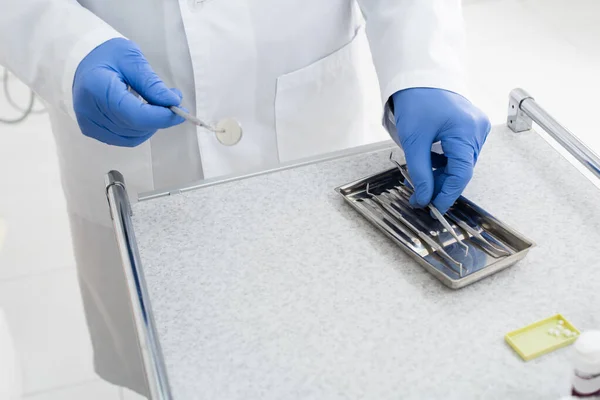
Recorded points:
(330, 105)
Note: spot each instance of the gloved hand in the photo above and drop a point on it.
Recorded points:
(425, 116)
(106, 110)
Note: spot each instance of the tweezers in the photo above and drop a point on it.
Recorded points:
(436, 213)
(493, 249)
(460, 219)
(423, 236)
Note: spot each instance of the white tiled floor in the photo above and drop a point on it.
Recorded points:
(548, 47)
(96, 390)
(48, 327)
(129, 395)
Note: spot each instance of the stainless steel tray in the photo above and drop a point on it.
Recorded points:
(480, 261)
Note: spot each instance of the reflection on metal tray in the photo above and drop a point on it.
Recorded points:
(492, 245)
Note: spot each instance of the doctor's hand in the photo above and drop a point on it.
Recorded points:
(425, 116)
(106, 110)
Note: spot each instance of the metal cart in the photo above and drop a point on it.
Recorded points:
(358, 362)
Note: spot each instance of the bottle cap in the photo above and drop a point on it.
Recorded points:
(587, 352)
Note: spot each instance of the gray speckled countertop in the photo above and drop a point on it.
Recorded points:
(273, 288)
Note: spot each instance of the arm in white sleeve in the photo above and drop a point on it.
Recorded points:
(416, 43)
(43, 41)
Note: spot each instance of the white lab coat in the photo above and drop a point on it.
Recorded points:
(296, 74)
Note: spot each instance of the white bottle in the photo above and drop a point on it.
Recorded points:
(586, 363)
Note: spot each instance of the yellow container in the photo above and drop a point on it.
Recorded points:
(534, 340)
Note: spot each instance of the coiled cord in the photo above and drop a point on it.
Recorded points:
(26, 111)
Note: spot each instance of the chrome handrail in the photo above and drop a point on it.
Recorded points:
(152, 358)
(523, 110)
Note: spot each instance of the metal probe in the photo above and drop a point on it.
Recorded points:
(228, 131)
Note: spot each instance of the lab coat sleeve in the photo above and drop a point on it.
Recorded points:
(416, 43)
(43, 41)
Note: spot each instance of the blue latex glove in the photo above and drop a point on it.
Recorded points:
(106, 110)
(425, 116)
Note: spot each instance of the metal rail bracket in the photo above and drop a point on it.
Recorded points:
(517, 120)
(523, 110)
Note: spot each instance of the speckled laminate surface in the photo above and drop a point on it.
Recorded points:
(273, 288)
